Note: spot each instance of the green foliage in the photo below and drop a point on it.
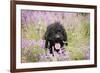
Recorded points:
(78, 35)
(33, 53)
(30, 32)
(75, 53)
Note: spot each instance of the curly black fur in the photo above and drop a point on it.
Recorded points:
(55, 33)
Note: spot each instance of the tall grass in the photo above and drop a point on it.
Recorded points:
(78, 31)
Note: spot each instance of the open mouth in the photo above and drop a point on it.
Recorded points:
(57, 46)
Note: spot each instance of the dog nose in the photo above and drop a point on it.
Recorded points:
(57, 36)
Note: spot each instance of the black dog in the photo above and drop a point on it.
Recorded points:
(55, 37)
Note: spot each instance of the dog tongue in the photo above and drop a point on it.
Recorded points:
(57, 46)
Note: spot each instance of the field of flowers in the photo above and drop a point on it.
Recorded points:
(33, 27)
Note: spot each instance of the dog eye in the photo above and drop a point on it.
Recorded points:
(59, 30)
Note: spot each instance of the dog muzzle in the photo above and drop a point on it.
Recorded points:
(57, 46)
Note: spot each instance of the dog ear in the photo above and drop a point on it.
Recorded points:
(65, 35)
(46, 43)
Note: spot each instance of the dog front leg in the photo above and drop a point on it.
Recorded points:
(53, 51)
(46, 47)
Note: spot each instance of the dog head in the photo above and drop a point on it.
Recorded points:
(55, 36)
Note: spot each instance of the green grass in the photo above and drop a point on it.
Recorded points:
(78, 36)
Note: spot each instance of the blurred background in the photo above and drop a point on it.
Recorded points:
(33, 27)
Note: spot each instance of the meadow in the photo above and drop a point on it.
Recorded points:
(33, 27)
